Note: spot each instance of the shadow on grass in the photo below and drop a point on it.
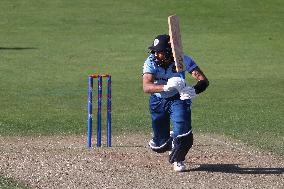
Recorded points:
(236, 169)
(16, 48)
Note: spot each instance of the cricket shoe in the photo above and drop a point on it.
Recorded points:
(179, 166)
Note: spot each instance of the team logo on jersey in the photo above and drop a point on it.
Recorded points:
(156, 42)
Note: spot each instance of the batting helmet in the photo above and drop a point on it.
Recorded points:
(161, 43)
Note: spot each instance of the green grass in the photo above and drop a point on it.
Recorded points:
(238, 44)
(6, 183)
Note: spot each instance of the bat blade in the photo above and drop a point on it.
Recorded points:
(176, 44)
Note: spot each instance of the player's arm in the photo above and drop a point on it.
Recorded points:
(202, 81)
(149, 86)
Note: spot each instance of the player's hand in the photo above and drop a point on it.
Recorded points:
(175, 83)
(187, 92)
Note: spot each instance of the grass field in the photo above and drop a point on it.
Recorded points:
(10, 184)
(48, 48)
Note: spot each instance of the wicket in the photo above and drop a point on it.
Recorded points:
(99, 109)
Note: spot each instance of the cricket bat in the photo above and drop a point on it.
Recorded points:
(175, 39)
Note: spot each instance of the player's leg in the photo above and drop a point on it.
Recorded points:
(161, 141)
(182, 133)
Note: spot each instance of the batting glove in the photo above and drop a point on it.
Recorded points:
(187, 92)
(175, 83)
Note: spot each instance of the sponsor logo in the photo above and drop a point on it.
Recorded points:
(156, 42)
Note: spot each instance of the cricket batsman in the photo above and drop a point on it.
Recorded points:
(170, 100)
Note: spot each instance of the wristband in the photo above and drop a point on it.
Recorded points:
(201, 86)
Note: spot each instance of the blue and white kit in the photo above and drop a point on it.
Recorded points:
(167, 109)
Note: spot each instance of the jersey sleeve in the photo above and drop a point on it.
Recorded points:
(148, 66)
(189, 63)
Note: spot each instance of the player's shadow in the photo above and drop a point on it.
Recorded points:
(16, 48)
(236, 169)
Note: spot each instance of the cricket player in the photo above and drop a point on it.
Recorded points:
(170, 100)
